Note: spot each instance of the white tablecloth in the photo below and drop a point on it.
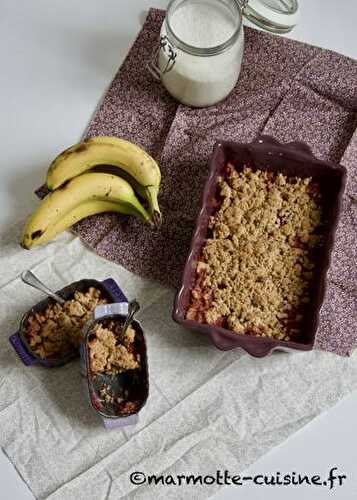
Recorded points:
(207, 409)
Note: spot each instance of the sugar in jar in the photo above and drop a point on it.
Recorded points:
(201, 49)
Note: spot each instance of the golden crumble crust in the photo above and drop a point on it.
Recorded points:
(56, 331)
(110, 353)
(255, 271)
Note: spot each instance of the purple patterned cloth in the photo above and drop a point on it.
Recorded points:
(287, 89)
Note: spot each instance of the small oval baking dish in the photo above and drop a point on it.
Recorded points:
(109, 290)
(128, 390)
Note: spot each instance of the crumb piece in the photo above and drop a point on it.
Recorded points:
(106, 394)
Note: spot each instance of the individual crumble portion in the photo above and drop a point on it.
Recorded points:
(255, 271)
(109, 351)
(56, 331)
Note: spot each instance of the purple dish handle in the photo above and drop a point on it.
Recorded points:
(295, 146)
(23, 354)
(114, 289)
(114, 423)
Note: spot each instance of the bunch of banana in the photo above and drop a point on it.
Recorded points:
(80, 186)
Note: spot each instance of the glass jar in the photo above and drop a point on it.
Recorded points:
(201, 45)
(201, 50)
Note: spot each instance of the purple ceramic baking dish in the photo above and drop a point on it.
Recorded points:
(108, 287)
(292, 159)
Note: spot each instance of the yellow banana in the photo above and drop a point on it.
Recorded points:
(76, 200)
(105, 150)
(83, 210)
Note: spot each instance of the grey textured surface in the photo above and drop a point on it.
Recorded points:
(207, 409)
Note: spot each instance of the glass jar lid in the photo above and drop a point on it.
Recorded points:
(277, 16)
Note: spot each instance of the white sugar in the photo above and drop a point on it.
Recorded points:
(203, 23)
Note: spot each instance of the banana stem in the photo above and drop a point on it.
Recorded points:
(156, 219)
(152, 194)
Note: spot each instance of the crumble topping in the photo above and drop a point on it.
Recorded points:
(108, 397)
(56, 331)
(109, 351)
(255, 271)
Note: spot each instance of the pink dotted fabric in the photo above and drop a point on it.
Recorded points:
(287, 89)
